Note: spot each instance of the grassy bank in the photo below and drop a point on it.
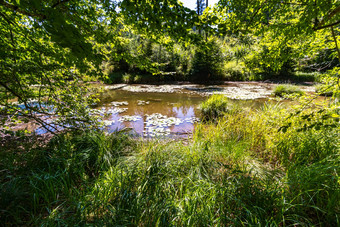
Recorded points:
(249, 167)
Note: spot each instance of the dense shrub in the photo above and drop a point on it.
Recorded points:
(214, 108)
(236, 71)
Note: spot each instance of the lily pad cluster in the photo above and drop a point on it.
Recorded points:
(153, 88)
(116, 110)
(240, 91)
(156, 132)
(123, 103)
(192, 120)
(108, 111)
(159, 125)
(130, 118)
(160, 120)
(142, 102)
(108, 122)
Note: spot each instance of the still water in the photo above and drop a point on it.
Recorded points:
(153, 114)
(150, 114)
(167, 110)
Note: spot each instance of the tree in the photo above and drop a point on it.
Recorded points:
(46, 49)
(200, 6)
(288, 18)
(157, 19)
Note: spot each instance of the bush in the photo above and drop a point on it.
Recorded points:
(324, 90)
(214, 107)
(305, 76)
(329, 83)
(287, 89)
(236, 71)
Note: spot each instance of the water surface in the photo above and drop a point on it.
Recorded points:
(166, 110)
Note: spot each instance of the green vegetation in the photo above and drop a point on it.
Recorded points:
(239, 170)
(329, 85)
(51, 49)
(272, 166)
(287, 89)
(214, 107)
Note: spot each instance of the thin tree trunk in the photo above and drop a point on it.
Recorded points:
(336, 43)
(337, 49)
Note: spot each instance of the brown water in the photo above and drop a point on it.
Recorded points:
(167, 110)
(176, 111)
(178, 105)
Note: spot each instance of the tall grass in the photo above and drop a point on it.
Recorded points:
(237, 170)
(287, 89)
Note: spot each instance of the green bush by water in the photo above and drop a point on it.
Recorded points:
(214, 108)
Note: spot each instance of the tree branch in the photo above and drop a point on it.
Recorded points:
(257, 11)
(326, 26)
(336, 42)
(329, 16)
(17, 9)
(59, 2)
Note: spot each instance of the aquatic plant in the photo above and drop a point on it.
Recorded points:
(130, 118)
(142, 102)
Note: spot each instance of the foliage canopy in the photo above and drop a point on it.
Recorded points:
(49, 48)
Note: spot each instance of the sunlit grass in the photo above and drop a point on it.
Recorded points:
(287, 89)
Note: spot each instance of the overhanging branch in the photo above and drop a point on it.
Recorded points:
(59, 2)
(327, 26)
(328, 18)
(17, 9)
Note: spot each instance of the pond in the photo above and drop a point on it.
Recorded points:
(168, 110)
(150, 113)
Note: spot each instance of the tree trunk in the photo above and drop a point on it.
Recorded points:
(336, 43)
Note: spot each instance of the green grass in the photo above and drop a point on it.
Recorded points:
(214, 107)
(287, 89)
(238, 170)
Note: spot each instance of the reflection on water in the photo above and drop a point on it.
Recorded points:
(177, 112)
(164, 110)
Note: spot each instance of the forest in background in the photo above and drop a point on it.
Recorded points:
(213, 50)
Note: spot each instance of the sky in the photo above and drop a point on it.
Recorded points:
(192, 3)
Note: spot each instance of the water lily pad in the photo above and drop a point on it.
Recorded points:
(129, 118)
(123, 103)
(159, 125)
(108, 122)
(142, 102)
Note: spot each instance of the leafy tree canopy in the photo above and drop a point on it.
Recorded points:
(48, 48)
